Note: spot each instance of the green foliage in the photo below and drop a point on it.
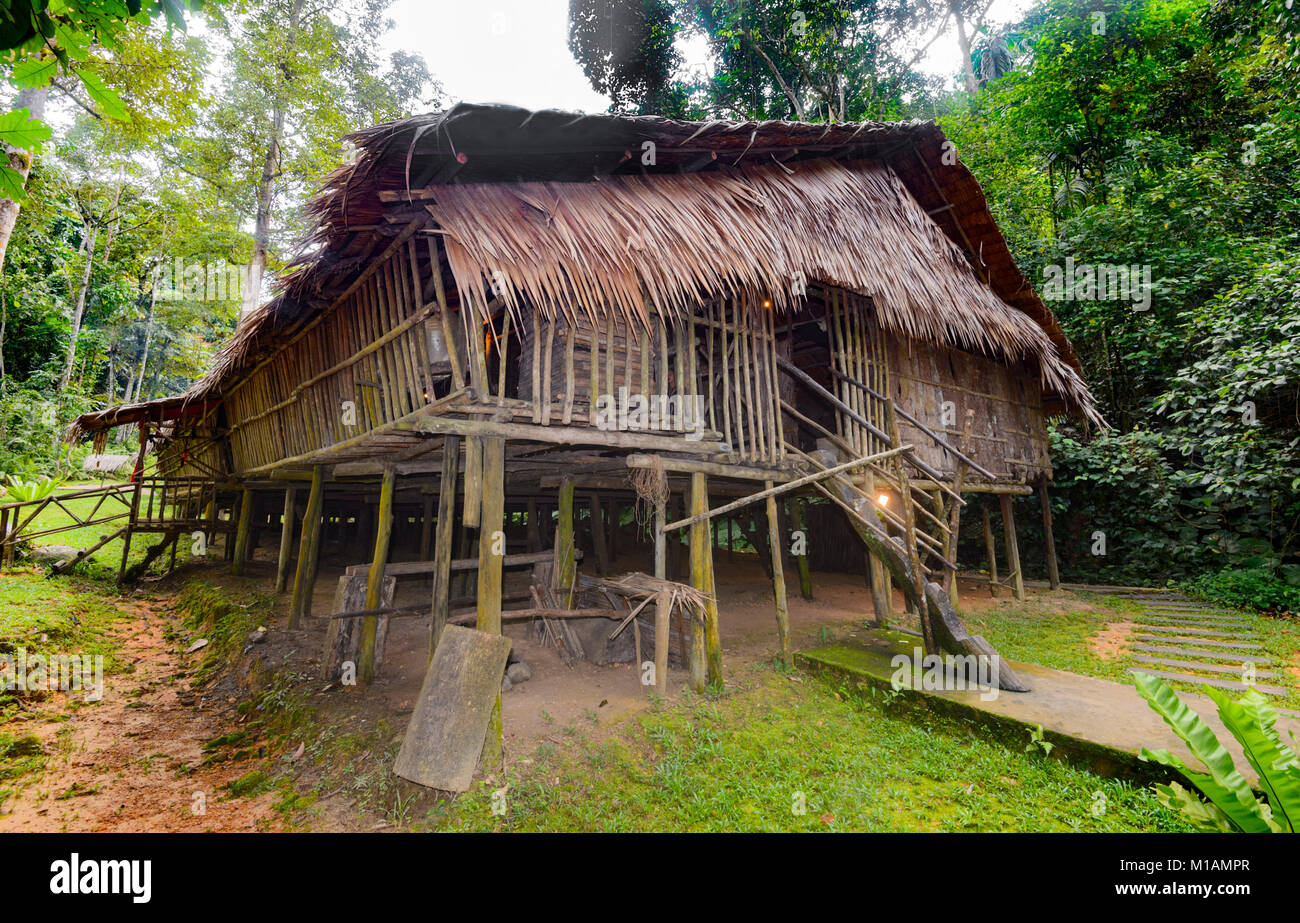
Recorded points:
(1232, 804)
(626, 50)
(1251, 588)
(15, 491)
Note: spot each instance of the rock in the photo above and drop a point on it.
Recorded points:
(53, 554)
(518, 673)
(197, 645)
(257, 637)
(506, 685)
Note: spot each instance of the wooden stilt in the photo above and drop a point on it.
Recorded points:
(426, 527)
(1013, 549)
(375, 583)
(491, 557)
(533, 529)
(564, 543)
(287, 522)
(990, 550)
(308, 550)
(599, 540)
(805, 573)
(473, 481)
(778, 582)
(882, 591)
(662, 605)
(706, 651)
(1049, 542)
(443, 543)
(243, 529)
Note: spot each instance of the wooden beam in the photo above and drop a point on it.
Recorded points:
(308, 551)
(786, 487)
(375, 583)
(1049, 542)
(796, 507)
(441, 601)
(1013, 548)
(491, 550)
(778, 582)
(565, 548)
(598, 537)
(287, 521)
(662, 606)
(242, 533)
(990, 550)
(706, 649)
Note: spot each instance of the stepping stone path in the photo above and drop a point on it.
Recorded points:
(1185, 641)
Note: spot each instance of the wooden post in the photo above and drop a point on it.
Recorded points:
(375, 584)
(1013, 549)
(598, 538)
(243, 529)
(426, 527)
(611, 530)
(805, 572)
(137, 475)
(778, 582)
(564, 542)
(473, 481)
(990, 550)
(1049, 542)
(533, 530)
(308, 550)
(491, 554)
(662, 605)
(444, 539)
(287, 523)
(706, 649)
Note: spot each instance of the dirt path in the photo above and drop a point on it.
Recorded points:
(134, 761)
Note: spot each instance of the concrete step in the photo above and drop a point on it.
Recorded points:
(1207, 681)
(1196, 617)
(1220, 656)
(1192, 630)
(1198, 627)
(1198, 642)
(1193, 666)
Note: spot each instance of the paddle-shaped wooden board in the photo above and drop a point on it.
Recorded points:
(445, 735)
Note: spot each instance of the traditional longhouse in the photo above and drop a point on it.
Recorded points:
(499, 307)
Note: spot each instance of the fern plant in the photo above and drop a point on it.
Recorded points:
(1231, 805)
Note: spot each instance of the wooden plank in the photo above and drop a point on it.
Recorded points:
(445, 735)
(343, 637)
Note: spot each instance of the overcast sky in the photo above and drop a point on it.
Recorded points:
(516, 51)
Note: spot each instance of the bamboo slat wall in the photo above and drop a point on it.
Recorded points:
(363, 365)
(1008, 433)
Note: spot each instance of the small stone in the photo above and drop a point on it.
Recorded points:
(257, 637)
(518, 673)
(506, 685)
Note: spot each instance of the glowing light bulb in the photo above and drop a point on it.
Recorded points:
(883, 500)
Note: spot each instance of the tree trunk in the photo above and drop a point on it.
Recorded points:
(148, 336)
(79, 309)
(21, 161)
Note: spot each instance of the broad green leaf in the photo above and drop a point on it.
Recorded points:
(1223, 784)
(18, 129)
(110, 104)
(1252, 722)
(35, 72)
(12, 184)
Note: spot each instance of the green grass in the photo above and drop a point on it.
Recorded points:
(225, 618)
(1035, 632)
(796, 754)
(106, 560)
(66, 615)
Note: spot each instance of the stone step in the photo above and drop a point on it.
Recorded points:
(1219, 656)
(1192, 630)
(1197, 627)
(1189, 611)
(1181, 617)
(1234, 669)
(1197, 642)
(1207, 681)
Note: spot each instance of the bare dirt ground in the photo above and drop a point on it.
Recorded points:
(135, 761)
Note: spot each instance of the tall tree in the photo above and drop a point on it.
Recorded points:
(301, 74)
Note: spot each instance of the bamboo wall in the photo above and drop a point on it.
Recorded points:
(1008, 433)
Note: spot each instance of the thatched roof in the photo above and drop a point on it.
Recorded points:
(577, 215)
